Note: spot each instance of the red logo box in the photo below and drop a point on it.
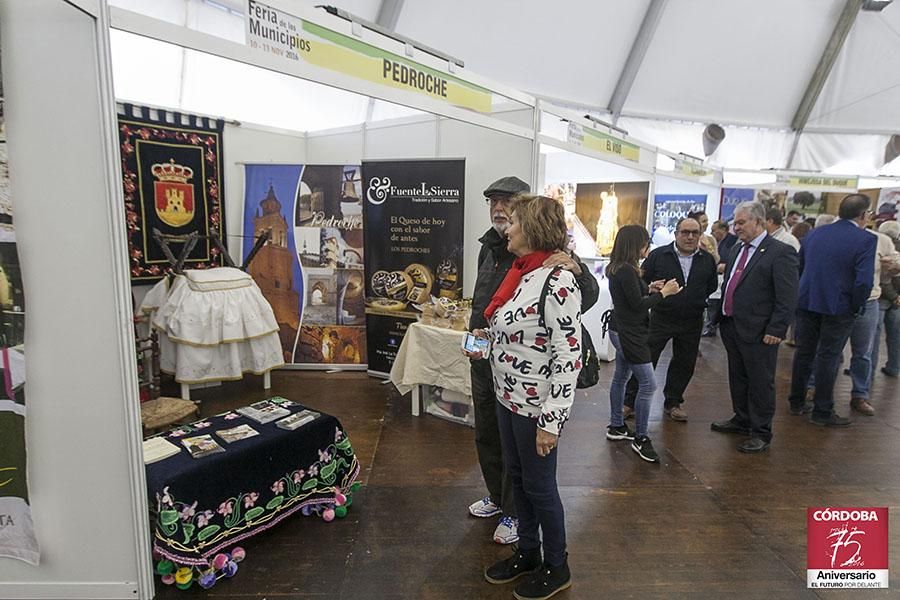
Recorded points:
(850, 544)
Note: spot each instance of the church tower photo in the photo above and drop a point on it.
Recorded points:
(272, 269)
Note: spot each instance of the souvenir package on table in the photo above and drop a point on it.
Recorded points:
(446, 313)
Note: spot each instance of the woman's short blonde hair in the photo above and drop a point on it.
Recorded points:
(542, 221)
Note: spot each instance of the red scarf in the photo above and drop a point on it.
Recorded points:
(521, 266)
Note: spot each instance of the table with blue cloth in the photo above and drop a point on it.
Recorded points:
(205, 506)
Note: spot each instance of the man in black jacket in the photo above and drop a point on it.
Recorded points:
(494, 260)
(678, 317)
(726, 240)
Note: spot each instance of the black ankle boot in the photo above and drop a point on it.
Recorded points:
(520, 563)
(545, 582)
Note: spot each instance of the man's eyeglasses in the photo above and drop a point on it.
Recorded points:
(497, 200)
(689, 232)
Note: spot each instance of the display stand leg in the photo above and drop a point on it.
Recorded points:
(416, 397)
(185, 391)
(267, 380)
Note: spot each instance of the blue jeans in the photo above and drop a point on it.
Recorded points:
(862, 339)
(646, 386)
(534, 486)
(892, 340)
(876, 342)
(820, 342)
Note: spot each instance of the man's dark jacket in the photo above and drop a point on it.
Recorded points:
(726, 245)
(494, 260)
(662, 263)
(766, 296)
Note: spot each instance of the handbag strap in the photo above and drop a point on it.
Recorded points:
(543, 298)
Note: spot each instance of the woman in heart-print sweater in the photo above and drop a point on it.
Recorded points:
(535, 369)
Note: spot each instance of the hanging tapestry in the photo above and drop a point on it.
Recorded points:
(172, 178)
(17, 539)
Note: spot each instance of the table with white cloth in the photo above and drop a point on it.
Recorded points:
(214, 325)
(431, 356)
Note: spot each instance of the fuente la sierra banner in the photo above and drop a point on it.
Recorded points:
(413, 215)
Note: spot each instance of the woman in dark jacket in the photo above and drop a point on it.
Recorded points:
(629, 329)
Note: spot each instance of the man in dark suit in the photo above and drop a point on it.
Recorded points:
(759, 296)
(725, 238)
(838, 273)
(726, 241)
(678, 317)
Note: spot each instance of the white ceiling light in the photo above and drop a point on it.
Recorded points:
(892, 149)
(875, 5)
(712, 137)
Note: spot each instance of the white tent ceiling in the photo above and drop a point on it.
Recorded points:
(745, 64)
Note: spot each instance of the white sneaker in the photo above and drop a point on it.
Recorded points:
(484, 508)
(507, 531)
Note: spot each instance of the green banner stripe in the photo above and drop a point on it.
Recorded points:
(12, 455)
(605, 137)
(369, 50)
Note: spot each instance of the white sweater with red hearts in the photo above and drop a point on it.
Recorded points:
(535, 369)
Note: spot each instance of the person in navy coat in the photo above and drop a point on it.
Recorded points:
(837, 265)
(759, 296)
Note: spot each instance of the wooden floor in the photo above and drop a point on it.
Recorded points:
(709, 522)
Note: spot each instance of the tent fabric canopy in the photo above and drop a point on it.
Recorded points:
(744, 64)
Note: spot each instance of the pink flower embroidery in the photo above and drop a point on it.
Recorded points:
(250, 499)
(187, 513)
(202, 425)
(231, 416)
(225, 508)
(312, 471)
(278, 486)
(338, 435)
(324, 456)
(204, 517)
(166, 499)
(298, 475)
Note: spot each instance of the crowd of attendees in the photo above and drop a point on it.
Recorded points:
(831, 280)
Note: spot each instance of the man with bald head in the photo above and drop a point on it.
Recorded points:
(678, 317)
(759, 296)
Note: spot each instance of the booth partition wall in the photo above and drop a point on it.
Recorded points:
(185, 64)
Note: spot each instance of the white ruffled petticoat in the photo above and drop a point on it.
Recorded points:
(214, 325)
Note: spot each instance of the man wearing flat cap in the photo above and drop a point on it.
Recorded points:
(494, 260)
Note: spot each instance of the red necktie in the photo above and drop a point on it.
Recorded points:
(733, 281)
